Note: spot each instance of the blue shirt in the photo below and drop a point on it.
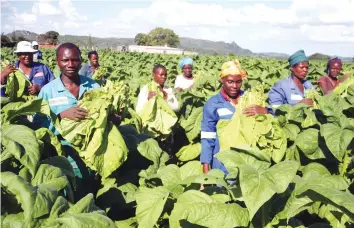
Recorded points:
(215, 109)
(286, 92)
(86, 70)
(60, 98)
(40, 74)
(38, 55)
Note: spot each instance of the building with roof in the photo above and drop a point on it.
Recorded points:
(159, 49)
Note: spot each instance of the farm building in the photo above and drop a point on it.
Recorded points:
(159, 49)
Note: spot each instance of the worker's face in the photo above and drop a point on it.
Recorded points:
(232, 85)
(187, 70)
(334, 69)
(35, 47)
(94, 60)
(160, 76)
(300, 70)
(69, 62)
(25, 58)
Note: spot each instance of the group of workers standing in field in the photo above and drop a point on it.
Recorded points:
(64, 92)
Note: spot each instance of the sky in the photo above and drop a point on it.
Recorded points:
(283, 26)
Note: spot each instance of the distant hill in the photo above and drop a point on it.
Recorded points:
(30, 36)
(199, 45)
(319, 56)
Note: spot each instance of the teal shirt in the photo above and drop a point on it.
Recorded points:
(60, 98)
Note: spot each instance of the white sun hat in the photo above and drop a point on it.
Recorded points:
(34, 43)
(24, 46)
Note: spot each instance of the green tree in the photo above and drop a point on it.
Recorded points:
(162, 36)
(158, 36)
(142, 39)
(52, 37)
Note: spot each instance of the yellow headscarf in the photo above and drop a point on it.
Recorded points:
(232, 68)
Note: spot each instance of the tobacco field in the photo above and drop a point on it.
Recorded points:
(294, 169)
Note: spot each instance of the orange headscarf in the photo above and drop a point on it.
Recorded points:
(232, 68)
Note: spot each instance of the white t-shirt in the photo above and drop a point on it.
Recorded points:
(143, 98)
(183, 82)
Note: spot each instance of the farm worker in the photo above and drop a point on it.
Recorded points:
(63, 94)
(185, 80)
(89, 69)
(37, 73)
(222, 106)
(331, 81)
(38, 54)
(159, 74)
(291, 90)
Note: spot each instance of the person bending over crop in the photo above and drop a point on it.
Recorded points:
(331, 81)
(291, 90)
(90, 68)
(63, 94)
(222, 106)
(185, 80)
(37, 73)
(159, 74)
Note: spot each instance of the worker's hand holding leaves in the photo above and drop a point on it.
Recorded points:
(254, 110)
(74, 113)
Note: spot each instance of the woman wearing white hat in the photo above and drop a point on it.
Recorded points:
(38, 54)
(37, 73)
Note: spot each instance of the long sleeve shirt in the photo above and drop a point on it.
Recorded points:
(183, 82)
(40, 75)
(143, 98)
(218, 107)
(286, 92)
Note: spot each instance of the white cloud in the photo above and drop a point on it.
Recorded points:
(70, 25)
(329, 33)
(70, 11)
(45, 9)
(324, 11)
(23, 19)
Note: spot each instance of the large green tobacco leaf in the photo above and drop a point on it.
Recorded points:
(338, 138)
(200, 209)
(12, 110)
(258, 186)
(150, 204)
(82, 214)
(334, 196)
(97, 140)
(233, 159)
(291, 131)
(22, 143)
(64, 165)
(314, 174)
(17, 86)
(84, 220)
(189, 152)
(48, 176)
(172, 174)
(102, 147)
(128, 223)
(308, 142)
(193, 124)
(35, 201)
(13, 221)
(261, 132)
(150, 149)
(157, 117)
(45, 135)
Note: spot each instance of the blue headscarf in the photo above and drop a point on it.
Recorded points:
(185, 61)
(297, 57)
